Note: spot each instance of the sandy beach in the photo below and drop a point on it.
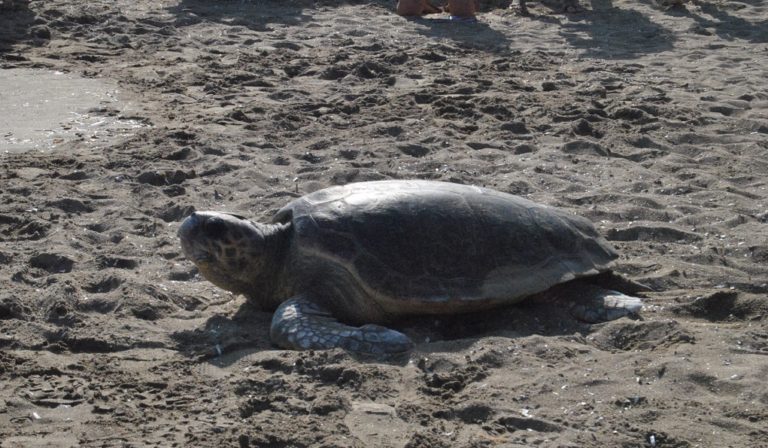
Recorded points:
(650, 121)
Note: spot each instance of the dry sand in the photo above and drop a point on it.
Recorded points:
(653, 123)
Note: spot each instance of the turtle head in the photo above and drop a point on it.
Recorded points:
(229, 250)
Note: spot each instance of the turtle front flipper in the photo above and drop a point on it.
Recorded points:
(603, 305)
(301, 324)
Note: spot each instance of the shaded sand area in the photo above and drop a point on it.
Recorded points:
(653, 123)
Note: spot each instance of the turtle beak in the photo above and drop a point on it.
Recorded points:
(187, 233)
(188, 229)
(201, 258)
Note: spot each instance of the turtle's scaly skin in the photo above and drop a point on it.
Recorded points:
(370, 252)
(302, 324)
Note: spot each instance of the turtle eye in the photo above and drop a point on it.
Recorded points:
(214, 228)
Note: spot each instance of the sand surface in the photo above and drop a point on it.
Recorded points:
(42, 109)
(653, 123)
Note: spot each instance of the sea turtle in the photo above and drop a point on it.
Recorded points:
(370, 252)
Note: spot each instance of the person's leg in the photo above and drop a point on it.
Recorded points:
(410, 8)
(462, 8)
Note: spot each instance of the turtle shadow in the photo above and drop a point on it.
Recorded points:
(533, 316)
(225, 340)
(549, 313)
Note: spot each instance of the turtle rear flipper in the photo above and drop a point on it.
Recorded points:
(301, 324)
(603, 305)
